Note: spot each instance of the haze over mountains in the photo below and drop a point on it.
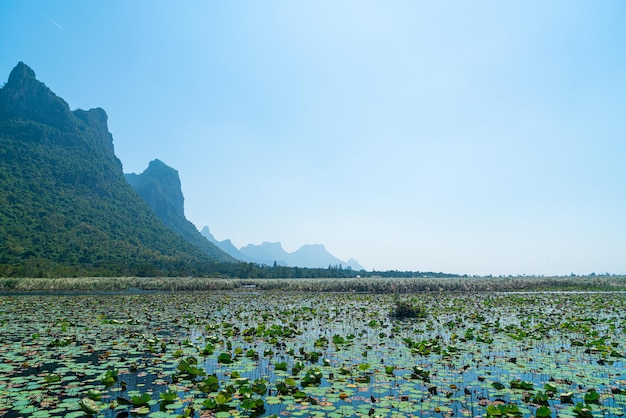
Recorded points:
(268, 253)
(159, 186)
(67, 209)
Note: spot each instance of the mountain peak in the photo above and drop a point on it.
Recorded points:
(318, 247)
(159, 185)
(272, 245)
(67, 207)
(25, 97)
(156, 163)
(96, 119)
(21, 72)
(157, 167)
(206, 232)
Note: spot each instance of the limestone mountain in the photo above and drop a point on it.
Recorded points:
(159, 186)
(227, 246)
(316, 255)
(354, 265)
(65, 207)
(310, 256)
(267, 253)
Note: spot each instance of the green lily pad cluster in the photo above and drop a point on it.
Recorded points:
(278, 353)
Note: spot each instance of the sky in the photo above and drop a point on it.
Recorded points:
(471, 137)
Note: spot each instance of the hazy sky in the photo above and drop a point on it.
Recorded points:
(479, 137)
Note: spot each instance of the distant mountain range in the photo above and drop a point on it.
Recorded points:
(65, 207)
(268, 253)
(159, 186)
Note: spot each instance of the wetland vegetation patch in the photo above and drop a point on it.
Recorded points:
(207, 354)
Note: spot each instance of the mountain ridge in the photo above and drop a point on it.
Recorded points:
(159, 186)
(227, 246)
(66, 208)
(268, 253)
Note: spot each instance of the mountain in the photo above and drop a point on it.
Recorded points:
(227, 246)
(354, 265)
(312, 256)
(316, 255)
(267, 253)
(159, 186)
(65, 206)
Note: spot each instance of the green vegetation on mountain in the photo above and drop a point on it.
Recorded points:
(65, 208)
(159, 186)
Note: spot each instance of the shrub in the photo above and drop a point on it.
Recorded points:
(404, 309)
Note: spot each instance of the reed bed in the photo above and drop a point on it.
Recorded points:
(366, 285)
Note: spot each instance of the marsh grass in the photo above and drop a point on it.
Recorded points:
(363, 285)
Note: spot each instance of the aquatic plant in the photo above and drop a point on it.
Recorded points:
(309, 354)
(405, 309)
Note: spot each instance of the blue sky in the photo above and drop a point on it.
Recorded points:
(478, 137)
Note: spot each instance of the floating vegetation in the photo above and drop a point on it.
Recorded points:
(407, 309)
(210, 354)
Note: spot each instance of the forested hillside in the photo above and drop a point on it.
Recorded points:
(65, 207)
(159, 186)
